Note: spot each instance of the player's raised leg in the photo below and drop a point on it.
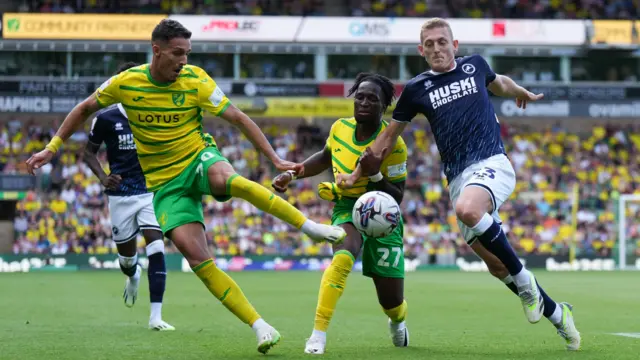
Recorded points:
(477, 193)
(178, 206)
(473, 209)
(224, 181)
(559, 314)
(334, 281)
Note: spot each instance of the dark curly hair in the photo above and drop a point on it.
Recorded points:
(387, 87)
(169, 29)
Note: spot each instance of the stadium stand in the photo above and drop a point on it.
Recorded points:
(582, 9)
(71, 214)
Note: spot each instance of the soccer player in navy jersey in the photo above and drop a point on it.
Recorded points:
(454, 97)
(130, 206)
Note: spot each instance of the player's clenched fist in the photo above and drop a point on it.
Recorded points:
(282, 181)
(36, 161)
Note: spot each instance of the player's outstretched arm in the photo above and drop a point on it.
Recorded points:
(384, 143)
(312, 166)
(504, 86)
(71, 123)
(242, 121)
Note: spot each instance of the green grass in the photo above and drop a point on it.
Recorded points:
(452, 315)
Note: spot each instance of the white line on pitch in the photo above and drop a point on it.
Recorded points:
(631, 335)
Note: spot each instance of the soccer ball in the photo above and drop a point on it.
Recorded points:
(376, 214)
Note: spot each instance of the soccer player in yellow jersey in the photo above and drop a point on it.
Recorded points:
(382, 258)
(164, 102)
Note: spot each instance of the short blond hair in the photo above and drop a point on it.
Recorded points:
(435, 23)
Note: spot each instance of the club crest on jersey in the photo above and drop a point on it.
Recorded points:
(163, 219)
(468, 68)
(178, 98)
(453, 91)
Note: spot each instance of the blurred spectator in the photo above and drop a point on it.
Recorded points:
(230, 7)
(540, 9)
(71, 214)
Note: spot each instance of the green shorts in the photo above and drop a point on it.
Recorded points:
(383, 257)
(179, 201)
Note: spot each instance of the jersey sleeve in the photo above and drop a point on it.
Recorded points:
(211, 98)
(394, 166)
(96, 134)
(109, 92)
(405, 109)
(489, 74)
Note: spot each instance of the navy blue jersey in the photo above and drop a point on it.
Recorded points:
(458, 107)
(112, 127)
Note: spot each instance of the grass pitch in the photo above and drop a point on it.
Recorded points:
(452, 315)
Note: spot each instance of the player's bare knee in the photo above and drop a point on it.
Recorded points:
(128, 248)
(469, 212)
(218, 174)
(152, 235)
(352, 243)
(350, 248)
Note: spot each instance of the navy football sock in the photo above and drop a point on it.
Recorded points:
(490, 234)
(549, 304)
(157, 271)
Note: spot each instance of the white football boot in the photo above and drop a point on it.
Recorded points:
(321, 232)
(315, 345)
(399, 333)
(159, 325)
(268, 337)
(531, 299)
(567, 329)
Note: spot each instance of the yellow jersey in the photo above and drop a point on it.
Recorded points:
(165, 118)
(346, 151)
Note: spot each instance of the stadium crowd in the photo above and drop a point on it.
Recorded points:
(69, 213)
(538, 9)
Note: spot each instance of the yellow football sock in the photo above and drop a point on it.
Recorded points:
(332, 285)
(265, 200)
(398, 313)
(227, 291)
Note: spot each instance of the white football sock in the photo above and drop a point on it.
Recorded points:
(523, 278)
(319, 334)
(556, 317)
(260, 323)
(156, 312)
